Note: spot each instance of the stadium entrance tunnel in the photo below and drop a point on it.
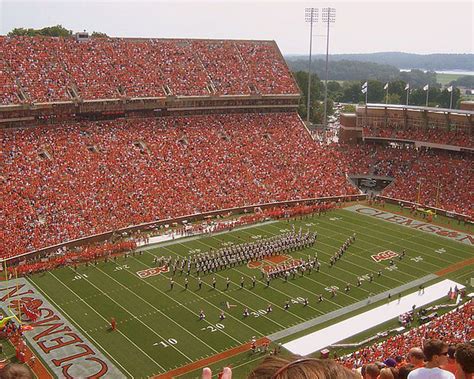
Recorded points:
(371, 183)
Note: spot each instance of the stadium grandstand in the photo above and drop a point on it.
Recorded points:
(108, 143)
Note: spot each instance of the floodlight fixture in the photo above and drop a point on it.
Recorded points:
(310, 15)
(329, 17)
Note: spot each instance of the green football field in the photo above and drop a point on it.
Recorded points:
(158, 328)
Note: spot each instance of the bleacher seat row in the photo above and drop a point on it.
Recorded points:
(433, 135)
(56, 69)
(73, 180)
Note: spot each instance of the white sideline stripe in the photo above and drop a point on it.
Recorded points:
(173, 236)
(347, 328)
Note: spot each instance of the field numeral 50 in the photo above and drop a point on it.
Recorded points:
(80, 276)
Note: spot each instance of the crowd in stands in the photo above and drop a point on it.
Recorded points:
(453, 327)
(455, 137)
(8, 87)
(63, 257)
(69, 181)
(435, 178)
(433, 354)
(35, 64)
(53, 69)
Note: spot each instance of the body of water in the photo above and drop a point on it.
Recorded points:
(455, 72)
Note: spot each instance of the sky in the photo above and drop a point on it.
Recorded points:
(418, 26)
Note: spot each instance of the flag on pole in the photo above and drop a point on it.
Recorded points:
(385, 86)
(364, 87)
(426, 88)
(450, 89)
(407, 86)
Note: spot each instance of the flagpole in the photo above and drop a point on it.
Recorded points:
(17, 291)
(437, 194)
(427, 94)
(408, 91)
(386, 96)
(6, 280)
(419, 192)
(451, 100)
(366, 93)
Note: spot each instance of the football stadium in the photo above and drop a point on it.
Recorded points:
(165, 209)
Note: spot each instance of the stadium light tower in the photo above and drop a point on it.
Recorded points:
(329, 17)
(311, 16)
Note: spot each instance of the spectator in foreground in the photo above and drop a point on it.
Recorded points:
(451, 365)
(277, 367)
(15, 371)
(387, 373)
(372, 371)
(225, 374)
(416, 357)
(465, 361)
(405, 370)
(436, 354)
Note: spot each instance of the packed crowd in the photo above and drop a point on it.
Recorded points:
(51, 69)
(432, 359)
(456, 137)
(99, 176)
(436, 178)
(63, 257)
(452, 328)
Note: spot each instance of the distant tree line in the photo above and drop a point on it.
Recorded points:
(354, 70)
(49, 31)
(350, 92)
(464, 81)
(430, 62)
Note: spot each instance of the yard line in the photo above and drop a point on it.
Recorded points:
(313, 248)
(403, 230)
(135, 317)
(399, 263)
(205, 300)
(180, 304)
(233, 298)
(103, 318)
(264, 298)
(282, 292)
(396, 243)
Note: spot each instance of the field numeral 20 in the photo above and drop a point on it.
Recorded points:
(169, 341)
(213, 329)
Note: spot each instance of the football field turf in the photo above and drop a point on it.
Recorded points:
(158, 328)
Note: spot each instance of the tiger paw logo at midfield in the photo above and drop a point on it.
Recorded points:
(152, 271)
(269, 263)
(384, 256)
